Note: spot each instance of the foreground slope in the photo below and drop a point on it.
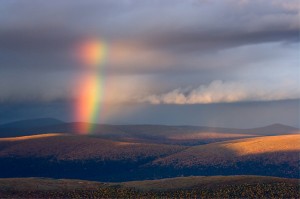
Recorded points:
(184, 187)
(278, 154)
(193, 182)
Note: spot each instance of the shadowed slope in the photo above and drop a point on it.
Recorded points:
(74, 156)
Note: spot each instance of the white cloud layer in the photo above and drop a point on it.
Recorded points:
(226, 92)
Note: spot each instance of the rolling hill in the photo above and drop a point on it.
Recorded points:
(75, 156)
(76, 147)
(93, 158)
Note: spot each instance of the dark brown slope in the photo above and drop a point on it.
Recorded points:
(184, 187)
(193, 182)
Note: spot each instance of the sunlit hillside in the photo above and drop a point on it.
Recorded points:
(208, 136)
(266, 150)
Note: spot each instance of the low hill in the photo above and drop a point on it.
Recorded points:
(184, 187)
(278, 154)
(274, 129)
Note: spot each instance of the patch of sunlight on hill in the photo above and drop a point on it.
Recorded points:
(264, 145)
(30, 137)
(208, 135)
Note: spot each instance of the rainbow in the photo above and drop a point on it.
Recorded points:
(92, 53)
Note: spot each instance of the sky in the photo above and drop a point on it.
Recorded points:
(229, 63)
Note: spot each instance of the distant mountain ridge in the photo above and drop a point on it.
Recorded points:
(32, 123)
(160, 134)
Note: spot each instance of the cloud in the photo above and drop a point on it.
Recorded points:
(178, 43)
(35, 32)
(225, 92)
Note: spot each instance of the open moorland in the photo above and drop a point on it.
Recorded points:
(148, 161)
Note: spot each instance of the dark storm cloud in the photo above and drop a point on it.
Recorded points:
(212, 40)
(209, 41)
(38, 48)
(40, 40)
(172, 26)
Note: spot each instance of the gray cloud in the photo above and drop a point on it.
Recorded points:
(178, 43)
(174, 27)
